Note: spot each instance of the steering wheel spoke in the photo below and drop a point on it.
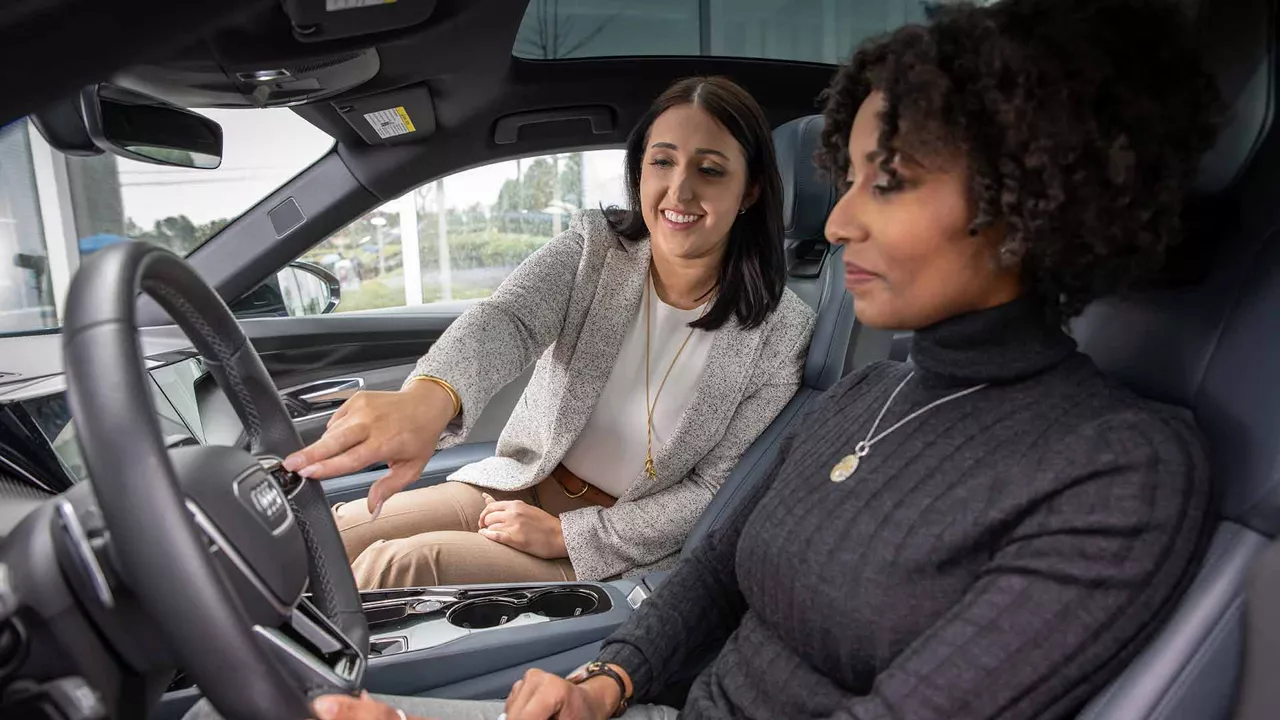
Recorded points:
(318, 656)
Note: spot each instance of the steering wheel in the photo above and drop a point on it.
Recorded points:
(218, 544)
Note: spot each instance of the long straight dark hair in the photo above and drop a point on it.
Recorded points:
(753, 274)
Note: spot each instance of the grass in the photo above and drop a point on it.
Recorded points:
(376, 295)
(468, 250)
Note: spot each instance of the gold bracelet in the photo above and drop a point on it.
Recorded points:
(453, 394)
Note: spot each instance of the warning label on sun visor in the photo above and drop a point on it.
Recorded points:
(390, 123)
(335, 5)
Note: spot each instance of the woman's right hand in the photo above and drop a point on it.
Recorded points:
(399, 428)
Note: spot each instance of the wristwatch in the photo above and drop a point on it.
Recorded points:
(595, 669)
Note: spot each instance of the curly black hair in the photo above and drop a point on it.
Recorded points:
(1082, 122)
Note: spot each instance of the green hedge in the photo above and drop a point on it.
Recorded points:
(483, 249)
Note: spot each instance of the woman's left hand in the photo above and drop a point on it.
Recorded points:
(524, 527)
(345, 707)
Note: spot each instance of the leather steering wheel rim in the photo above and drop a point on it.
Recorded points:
(161, 554)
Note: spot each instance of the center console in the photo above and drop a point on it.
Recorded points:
(475, 641)
(424, 618)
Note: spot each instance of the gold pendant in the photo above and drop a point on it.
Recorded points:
(847, 466)
(649, 470)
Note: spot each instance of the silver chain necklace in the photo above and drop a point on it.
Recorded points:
(848, 465)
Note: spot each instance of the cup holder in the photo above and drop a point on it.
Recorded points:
(491, 612)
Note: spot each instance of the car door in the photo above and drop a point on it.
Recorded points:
(355, 311)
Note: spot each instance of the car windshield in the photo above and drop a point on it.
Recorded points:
(56, 209)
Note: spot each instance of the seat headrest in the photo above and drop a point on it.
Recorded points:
(1213, 347)
(1235, 40)
(807, 194)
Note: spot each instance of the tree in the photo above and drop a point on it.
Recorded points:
(177, 233)
(546, 34)
(571, 180)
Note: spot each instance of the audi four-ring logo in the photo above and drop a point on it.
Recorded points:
(267, 499)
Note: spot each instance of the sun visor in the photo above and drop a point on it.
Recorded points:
(322, 20)
(391, 118)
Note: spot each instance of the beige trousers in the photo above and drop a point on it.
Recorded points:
(429, 536)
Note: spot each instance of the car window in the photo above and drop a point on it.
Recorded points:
(468, 231)
(824, 31)
(56, 209)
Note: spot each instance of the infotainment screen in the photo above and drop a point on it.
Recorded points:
(177, 390)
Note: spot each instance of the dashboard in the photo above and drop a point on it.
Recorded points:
(178, 393)
(38, 443)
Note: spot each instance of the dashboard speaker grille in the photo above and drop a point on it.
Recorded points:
(14, 488)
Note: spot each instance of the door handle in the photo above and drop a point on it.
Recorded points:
(329, 391)
(507, 129)
(320, 398)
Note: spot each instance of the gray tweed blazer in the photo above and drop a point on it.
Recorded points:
(568, 308)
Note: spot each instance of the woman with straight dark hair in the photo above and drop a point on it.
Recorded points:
(665, 341)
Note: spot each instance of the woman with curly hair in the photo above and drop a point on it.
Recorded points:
(992, 530)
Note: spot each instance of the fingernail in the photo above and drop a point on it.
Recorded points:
(293, 462)
(377, 510)
(307, 471)
(326, 707)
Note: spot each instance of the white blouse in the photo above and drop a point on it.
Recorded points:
(610, 451)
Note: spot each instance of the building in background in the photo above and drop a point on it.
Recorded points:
(26, 290)
(56, 209)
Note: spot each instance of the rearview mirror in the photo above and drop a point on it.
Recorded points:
(143, 128)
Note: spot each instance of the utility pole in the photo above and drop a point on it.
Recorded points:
(556, 204)
(442, 243)
(410, 254)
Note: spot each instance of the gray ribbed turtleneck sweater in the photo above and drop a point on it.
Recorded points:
(1001, 556)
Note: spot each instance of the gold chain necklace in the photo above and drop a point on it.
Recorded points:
(649, 470)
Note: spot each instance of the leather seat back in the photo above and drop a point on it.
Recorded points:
(1214, 349)
(816, 274)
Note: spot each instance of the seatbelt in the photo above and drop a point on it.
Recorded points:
(1259, 691)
